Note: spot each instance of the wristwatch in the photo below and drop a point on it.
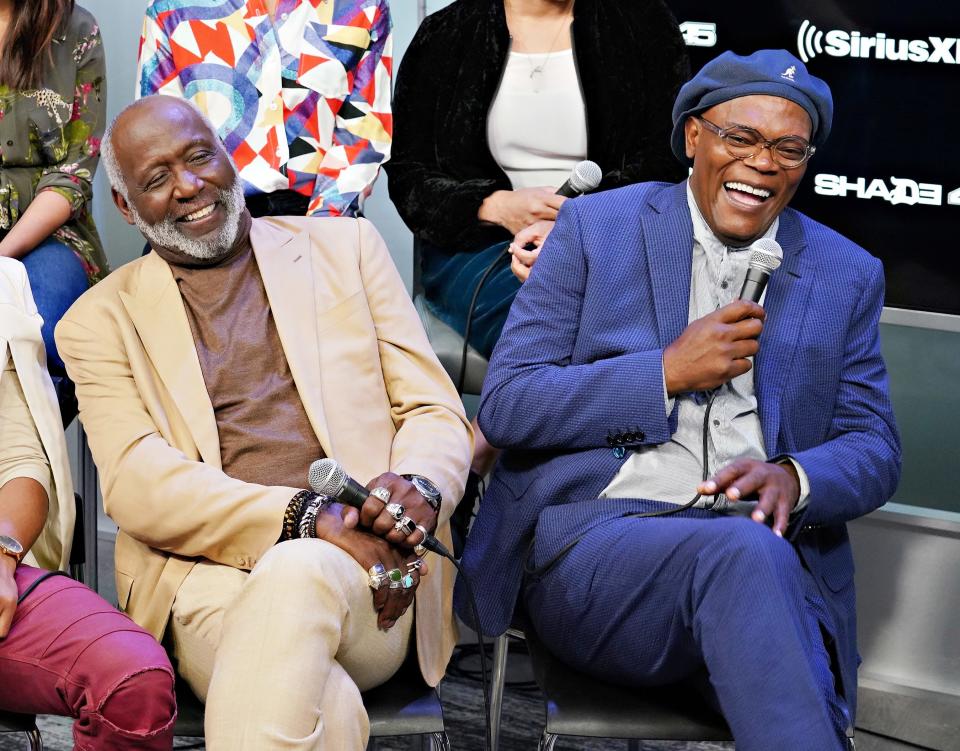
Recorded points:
(12, 547)
(426, 488)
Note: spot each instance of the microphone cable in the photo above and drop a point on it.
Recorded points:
(484, 678)
(706, 472)
(540, 571)
(585, 176)
(462, 372)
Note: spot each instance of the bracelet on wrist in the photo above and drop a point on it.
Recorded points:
(307, 527)
(291, 516)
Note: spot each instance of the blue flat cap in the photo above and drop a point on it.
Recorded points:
(770, 72)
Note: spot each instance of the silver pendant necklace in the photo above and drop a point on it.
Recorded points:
(536, 70)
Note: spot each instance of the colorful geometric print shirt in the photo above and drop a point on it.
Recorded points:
(301, 101)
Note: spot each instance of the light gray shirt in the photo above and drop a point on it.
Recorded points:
(672, 470)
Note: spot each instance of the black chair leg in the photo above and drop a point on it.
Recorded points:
(435, 742)
(547, 741)
(34, 739)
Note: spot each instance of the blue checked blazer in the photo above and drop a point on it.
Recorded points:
(576, 377)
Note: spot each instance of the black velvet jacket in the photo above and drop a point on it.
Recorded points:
(631, 62)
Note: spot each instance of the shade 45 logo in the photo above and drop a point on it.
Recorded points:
(811, 42)
(896, 191)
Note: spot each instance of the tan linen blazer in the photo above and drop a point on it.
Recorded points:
(373, 390)
(20, 340)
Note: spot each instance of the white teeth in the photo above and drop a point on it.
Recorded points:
(744, 188)
(207, 211)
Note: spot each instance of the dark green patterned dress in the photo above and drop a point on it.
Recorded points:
(50, 139)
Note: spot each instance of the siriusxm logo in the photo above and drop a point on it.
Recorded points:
(838, 43)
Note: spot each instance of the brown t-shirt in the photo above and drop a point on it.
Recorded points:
(265, 435)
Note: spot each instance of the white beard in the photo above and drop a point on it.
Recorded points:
(167, 234)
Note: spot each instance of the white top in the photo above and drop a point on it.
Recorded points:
(537, 124)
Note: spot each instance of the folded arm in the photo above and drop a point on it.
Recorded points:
(433, 436)
(154, 492)
(24, 469)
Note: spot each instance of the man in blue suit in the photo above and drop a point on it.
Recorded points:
(629, 378)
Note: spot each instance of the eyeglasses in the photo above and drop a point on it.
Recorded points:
(742, 142)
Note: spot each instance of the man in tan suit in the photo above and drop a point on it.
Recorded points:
(210, 374)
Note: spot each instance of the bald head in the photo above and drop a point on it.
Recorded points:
(128, 121)
(173, 179)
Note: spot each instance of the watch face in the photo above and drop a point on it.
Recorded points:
(10, 545)
(425, 486)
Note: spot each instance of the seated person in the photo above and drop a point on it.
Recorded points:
(63, 649)
(53, 78)
(299, 91)
(641, 359)
(496, 102)
(211, 373)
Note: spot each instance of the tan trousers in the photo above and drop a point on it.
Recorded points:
(280, 654)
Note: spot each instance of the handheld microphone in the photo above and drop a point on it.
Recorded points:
(764, 260)
(586, 176)
(327, 477)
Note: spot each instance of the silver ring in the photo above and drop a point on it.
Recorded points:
(376, 575)
(396, 510)
(382, 493)
(407, 581)
(395, 576)
(406, 525)
(415, 565)
(419, 549)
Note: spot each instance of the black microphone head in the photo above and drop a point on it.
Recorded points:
(766, 254)
(585, 177)
(326, 477)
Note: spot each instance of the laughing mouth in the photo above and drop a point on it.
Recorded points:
(760, 194)
(198, 214)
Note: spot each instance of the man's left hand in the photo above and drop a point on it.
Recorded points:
(776, 486)
(375, 516)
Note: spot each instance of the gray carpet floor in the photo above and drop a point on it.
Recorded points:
(522, 718)
(522, 721)
(520, 731)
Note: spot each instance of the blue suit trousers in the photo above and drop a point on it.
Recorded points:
(646, 602)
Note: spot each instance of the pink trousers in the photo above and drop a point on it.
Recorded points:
(70, 653)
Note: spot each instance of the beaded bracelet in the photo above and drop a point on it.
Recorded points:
(291, 517)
